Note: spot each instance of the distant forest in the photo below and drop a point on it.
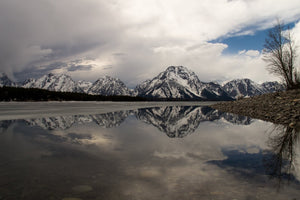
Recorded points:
(34, 94)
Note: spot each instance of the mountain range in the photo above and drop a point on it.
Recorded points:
(176, 82)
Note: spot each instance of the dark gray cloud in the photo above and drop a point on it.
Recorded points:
(79, 68)
(138, 38)
(38, 71)
(107, 67)
(35, 31)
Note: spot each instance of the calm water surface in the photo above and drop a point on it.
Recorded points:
(176, 152)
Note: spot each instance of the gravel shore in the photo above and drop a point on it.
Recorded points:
(279, 108)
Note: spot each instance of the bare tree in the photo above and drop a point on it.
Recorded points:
(280, 54)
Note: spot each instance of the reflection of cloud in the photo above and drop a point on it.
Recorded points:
(168, 155)
(243, 163)
(284, 144)
(135, 161)
(281, 161)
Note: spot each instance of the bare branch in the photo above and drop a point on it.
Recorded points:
(280, 54)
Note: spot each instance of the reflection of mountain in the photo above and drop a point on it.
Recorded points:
(107, 120)
(175, 121)
(51, 123)
(179, 121)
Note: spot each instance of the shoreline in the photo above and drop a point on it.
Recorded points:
(21, 110)
(279, 107)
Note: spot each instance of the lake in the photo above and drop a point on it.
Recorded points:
(94, 150)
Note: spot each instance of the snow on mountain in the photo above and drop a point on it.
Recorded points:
(247, 87)
(109, 86)
(5, 81)
(214, 91)
(54, 82)
(273, 86)
(180, 83)
(85, 85)
(174, 82)
(243, 87)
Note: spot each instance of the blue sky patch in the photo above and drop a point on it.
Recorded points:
(246, 42)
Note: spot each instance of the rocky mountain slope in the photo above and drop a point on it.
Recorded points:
(5, 81)
(176, 82)
(246, 88)
(85, 85)
(109, 86)
(54, 82)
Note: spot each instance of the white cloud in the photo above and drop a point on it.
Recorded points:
(137, 39)
(251, 53)
(296, 36)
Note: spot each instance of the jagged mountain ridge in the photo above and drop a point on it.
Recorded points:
(246, 87)
(5, 81)
(54, 82)
(176, 82)
(272, 86)
(109, 86)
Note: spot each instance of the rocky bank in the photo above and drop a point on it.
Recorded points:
(279, 107)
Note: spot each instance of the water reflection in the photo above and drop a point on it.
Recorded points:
(280, 161)
(124, 155)
(284, 144)
(174, 121)
(181, 121)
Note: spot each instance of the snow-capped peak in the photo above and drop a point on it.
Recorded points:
(54, 82)
(5, 81)
(109, 86)
(247, 87)
(181, 83)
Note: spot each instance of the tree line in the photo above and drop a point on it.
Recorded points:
(35, 94)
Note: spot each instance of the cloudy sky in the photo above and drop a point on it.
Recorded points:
(136, 39)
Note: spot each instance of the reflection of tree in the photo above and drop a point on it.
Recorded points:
(281, 163)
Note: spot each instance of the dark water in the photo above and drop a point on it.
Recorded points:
(152, 153)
